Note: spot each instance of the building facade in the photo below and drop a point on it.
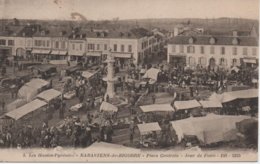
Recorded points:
(212, 51)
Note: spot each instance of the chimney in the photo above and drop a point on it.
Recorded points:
(176, 31)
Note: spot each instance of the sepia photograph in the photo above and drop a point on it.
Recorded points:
(129, 80)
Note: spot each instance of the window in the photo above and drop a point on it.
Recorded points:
(212, 50)
(173, 48)
(254, 51)
(98, 46)
(56, 44)
(122, 48)
(190, 49)
(115, 47)
(223, 62)
(91, 46)
(202, 50)
(202, 61)
(63, 45)
(181, 49)
(105, 46)
(129, 48)
(2, 42)
(43, 43)
(48, 43)
(73, 46)
(234, 51)
(223, 50)
(80, 47)
(234, 62)
(245, 51)
(192, 61)
(10, 42)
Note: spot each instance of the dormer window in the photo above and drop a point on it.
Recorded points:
(74, 36)
(61, 33)
(212, 40)
(23, 34)
(235, 41)
(191, 40)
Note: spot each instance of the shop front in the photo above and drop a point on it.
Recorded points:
(41, 54)
(123, 59)
(177, 60)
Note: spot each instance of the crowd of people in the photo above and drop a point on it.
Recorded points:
(100, 125)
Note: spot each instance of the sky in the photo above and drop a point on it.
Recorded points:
(128, 9)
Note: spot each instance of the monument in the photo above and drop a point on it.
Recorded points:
(110, 79)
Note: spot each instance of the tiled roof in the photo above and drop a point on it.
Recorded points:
(219, 40)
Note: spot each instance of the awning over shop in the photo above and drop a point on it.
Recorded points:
(251, 61)
(36, 51)
(58, 52)
(151, 73)
(97, 54)
(26, 109)
(148, 127)
(123, 55)
(105, 106)
(76, 54)
(157, 108)
(180, 105)
(40, 51)
(49, 95)
(211, 104)
(209, 129)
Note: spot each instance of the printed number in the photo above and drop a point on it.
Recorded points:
(223, 155)
(236, 155)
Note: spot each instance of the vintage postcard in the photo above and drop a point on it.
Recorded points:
(129, 80)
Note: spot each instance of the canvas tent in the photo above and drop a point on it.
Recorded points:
(105, 106)
(26, 109)
(241, 94)
(210, 104)
(151, 73)
(210, 129)
(181, 105)
(148, 127)
(16, 104)
(31, 89)
(157, 108)
(87, 74)
(37, 83)
(49, 95)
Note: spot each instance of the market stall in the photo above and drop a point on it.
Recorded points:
(210, 129)
(157, 111)
(211, 106)
(186, 108)
(27, 111)
(149, 134)
(32, 88)
(49, 95)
